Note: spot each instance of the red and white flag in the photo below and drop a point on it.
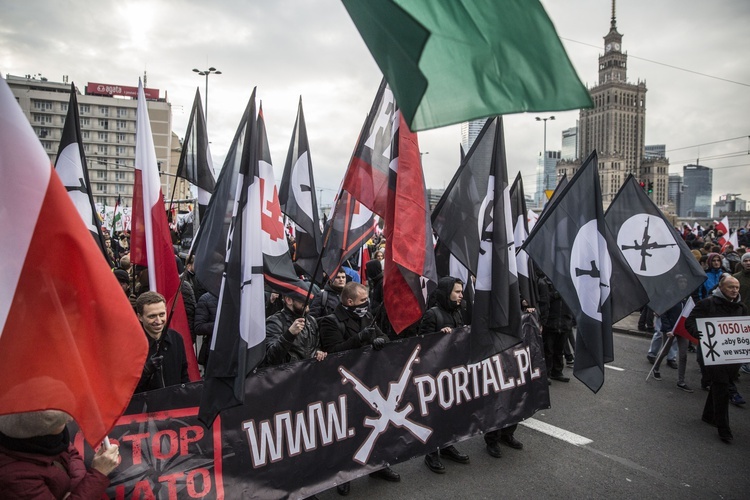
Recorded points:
(68, 337)
(679, 328)
(151, 242)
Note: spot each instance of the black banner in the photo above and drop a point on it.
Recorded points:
(307, 426)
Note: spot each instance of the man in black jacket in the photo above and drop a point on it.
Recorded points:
(723, 302)
(292, 334)
(557, 322)
(443, 317)
(351, 326)
(326, 301)
(166, 363)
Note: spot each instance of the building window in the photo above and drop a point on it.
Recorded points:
(120, 150)
(100, 174)
(44, 105)
(86, 148)
(85, 122)
(101, 187)
(42, 132)
(122, 125)
(47, 145)
(64, 106)
(102, 149)
(120, 176)
(42, 118)
(103, 136)
(119, 188)
(120, 137)
(104, 110)
(85, 108)
(122, 113)
(86, 134)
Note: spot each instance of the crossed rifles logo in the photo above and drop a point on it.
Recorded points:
(387, 408)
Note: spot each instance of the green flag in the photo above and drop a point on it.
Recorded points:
(449, 61)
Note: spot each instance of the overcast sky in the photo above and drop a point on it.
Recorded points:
(311, 48)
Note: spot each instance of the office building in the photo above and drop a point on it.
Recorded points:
(695, 200)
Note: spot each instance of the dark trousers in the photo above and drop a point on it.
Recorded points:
(554, 346)
(646, 319)
(716, 409)
(494, 436)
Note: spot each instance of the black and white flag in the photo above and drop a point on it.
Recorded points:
(210, 244)
(486, 243)
(652, 247)
(70, 165)
(572, 246)
(526, 274)
(195, 163)
(297, 197)
(238, 342)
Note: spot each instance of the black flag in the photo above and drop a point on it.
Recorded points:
(526, 273)
(473, 218)
(297, 197)
(238, 343)
(195, 164)
(210, 244)
(654, 250)
(350, 226)
(70, 165)
(570, 243)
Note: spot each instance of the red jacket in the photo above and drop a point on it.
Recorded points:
(31, 475)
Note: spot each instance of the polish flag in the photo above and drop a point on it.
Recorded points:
(679, 328)
(68, 337)
(151, 242)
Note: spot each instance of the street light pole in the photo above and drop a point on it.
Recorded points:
(205, 73)
(544, 151)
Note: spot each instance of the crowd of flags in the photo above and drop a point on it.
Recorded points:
(604, 265)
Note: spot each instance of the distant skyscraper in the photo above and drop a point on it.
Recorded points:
(674, 193)
(696, 191)
(470, 131)
(570, 143)
(546, 175)
(655, 151)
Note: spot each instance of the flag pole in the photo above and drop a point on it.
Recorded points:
(663, 346)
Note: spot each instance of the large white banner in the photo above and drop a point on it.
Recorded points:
(121, 222)
(725, 340)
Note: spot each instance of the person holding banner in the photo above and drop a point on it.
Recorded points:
(351, 326)
(723, 302)
(38, 460)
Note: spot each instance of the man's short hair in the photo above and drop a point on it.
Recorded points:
(351, 290)
(148, 298)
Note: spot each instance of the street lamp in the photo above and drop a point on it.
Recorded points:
(205, 73)
(544, 151)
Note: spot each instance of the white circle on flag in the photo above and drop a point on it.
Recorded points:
(648, 245)
(590, 269)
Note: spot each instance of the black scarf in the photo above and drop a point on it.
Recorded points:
(49, 445)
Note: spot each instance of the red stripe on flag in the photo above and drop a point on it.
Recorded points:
(71, 341)
(368, 185)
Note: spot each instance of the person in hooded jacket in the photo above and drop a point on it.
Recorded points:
(38, 459)
(713, 273)
(444, 316)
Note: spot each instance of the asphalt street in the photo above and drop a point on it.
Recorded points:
(633, 439)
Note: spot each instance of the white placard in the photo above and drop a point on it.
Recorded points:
(725, 340)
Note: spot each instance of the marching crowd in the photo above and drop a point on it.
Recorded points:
(345, 314)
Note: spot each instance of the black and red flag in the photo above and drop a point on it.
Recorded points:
(297, 197)
(70, 165)
(410, 273)
(278, 268)
(238, 346)
(350, 226)
(367, 175)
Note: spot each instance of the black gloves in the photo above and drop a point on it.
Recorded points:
(379, 342)
(153, 364)
(366, 335)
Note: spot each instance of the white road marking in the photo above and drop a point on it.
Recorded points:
(556, 432)
(616, 368)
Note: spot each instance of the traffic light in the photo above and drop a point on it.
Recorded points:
(643, 185)
(650, 187)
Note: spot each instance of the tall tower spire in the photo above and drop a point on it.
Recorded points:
(613, 21)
